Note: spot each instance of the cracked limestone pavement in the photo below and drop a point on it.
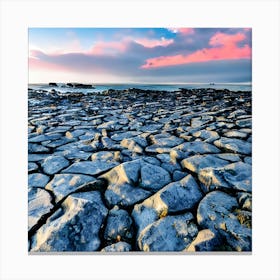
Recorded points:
(140, 170)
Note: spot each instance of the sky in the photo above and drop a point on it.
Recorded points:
(140, 55)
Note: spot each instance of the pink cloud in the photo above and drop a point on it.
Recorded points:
(184, 31)
(38, 64)
(101, 47)
(224, 48)
(151, 43)
(220, 39)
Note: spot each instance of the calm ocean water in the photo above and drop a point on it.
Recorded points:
(167, 87)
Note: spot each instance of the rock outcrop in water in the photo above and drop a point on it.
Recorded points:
(140, 170)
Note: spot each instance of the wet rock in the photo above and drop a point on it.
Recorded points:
(172, 233)
(215, 212)
(38, 180)
(237, 176)
(117, 247)
(77, 229)
(234, 145)
(53, 164)
(196, 163)
(153, 177)
(39, 203)
(119, 225)
(64, 184)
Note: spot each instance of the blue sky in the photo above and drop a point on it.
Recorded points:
(140, 55)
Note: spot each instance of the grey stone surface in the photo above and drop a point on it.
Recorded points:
(90, 167)
(53, 164)
(38, 180)
(171, 233)
(234, 145)
(117, 247)
(236, 176)
(39, 203)
(32, 166)
(182, 195)
(205, 241)
(119, 225)
(64, 184)
(196, 163)
(197, 147)
(207, 135)
(166, 140)
(153, 177)
(216, 212)
(77, 229)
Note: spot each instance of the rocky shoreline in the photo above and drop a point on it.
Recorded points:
(140, 170)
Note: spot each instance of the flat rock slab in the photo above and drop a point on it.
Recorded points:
(39, 203)
(90, 167)
(197, 147)
(64, 184)
(171, 233)
(234, 145)
(38, 180)
(216, 212)
(237, 176)
(125, 195)
(181, 195)
(77, 229)
(166, 140)
(53, 164)
(153, 177)
(207, 135)
(198, 162)
(124, 135)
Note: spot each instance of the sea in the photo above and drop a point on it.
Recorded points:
(166, 87)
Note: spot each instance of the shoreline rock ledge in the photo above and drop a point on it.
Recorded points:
(139, 170)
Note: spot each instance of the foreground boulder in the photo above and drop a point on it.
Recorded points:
(172, 233)
(77, 229)
(173, 198)
(217, 212)
(237, 176)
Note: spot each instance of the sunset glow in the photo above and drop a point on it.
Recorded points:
(139, 54)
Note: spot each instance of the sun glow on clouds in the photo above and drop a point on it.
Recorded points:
(128, 55)
(224, 47)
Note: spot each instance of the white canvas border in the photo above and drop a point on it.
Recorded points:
(17, 16)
